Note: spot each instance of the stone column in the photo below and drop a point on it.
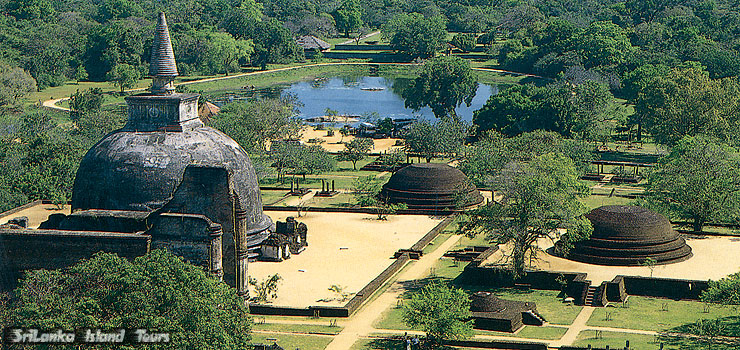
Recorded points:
(216, 233)
(242, 254)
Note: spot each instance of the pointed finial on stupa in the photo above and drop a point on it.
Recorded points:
(162, 67)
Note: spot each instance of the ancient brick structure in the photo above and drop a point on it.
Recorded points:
(431, 186)
(494, 314)
(163, 181)
(627, 236)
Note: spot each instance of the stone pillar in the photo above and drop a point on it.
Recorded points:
(216, 234)
(242, 254)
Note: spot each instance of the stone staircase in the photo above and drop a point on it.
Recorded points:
(591, 295)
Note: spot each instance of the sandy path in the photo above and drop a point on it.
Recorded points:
(346, 249)
(578, 325)
(332, 143)
(361, 324)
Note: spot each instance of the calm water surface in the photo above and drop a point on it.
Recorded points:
(345, 95)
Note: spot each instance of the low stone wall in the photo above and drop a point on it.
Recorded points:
(615, 290)
(361, 296)
(664, 287)
(497, 344)
(40, 249)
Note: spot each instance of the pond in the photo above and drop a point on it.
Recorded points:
(372, 97)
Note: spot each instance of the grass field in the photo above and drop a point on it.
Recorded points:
(289, 341)
(530, 332)
(657, 314)
(617, 340)
(296, 328)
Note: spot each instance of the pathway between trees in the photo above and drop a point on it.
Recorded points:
(52, 104)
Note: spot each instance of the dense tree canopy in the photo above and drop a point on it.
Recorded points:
(687, 102)
(443, 84)
(538, 198)
(416, 35)
(441, 311)
(573, 110)
(159, 292)
(443, 138)
(699, 180)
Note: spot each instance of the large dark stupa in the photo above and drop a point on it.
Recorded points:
(431, 186)
(627, 235)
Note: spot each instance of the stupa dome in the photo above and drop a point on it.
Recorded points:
(626, 235)
(431, 186)
(141, 170)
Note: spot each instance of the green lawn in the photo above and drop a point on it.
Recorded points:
(647, 314)
(548, 304)
(617, 340)
(270, 197)
(530, 332)
(593, 202)
(303, 342)
(297, 328)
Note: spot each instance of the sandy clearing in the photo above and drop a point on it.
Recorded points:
(37, 214)
(332, 144)
(714, 258)
(369, 244)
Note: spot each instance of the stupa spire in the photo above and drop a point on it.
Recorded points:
(162, 67)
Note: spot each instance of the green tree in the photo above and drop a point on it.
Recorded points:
(30, 9)
(688, 102)
(698, 180)
(80, 74)
(444, 138)
(356, 150)
(443, 84)
(118, 9)
(265, 289)
(464, 41)
(255, 123)
(724, 291)
(604, 44)
(416, 35)
(124, 76)
(86, 101)
(635, 83)
(14, 84)
(297, 159)
(348, 17)
(573, 110)
(538, 198)
(441, 311)
(366, 192)
(225, 52)
(273, 43)
(158, 291)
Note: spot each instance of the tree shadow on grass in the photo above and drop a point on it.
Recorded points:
(732, 329)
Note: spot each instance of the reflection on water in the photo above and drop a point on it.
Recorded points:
(358, 96)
